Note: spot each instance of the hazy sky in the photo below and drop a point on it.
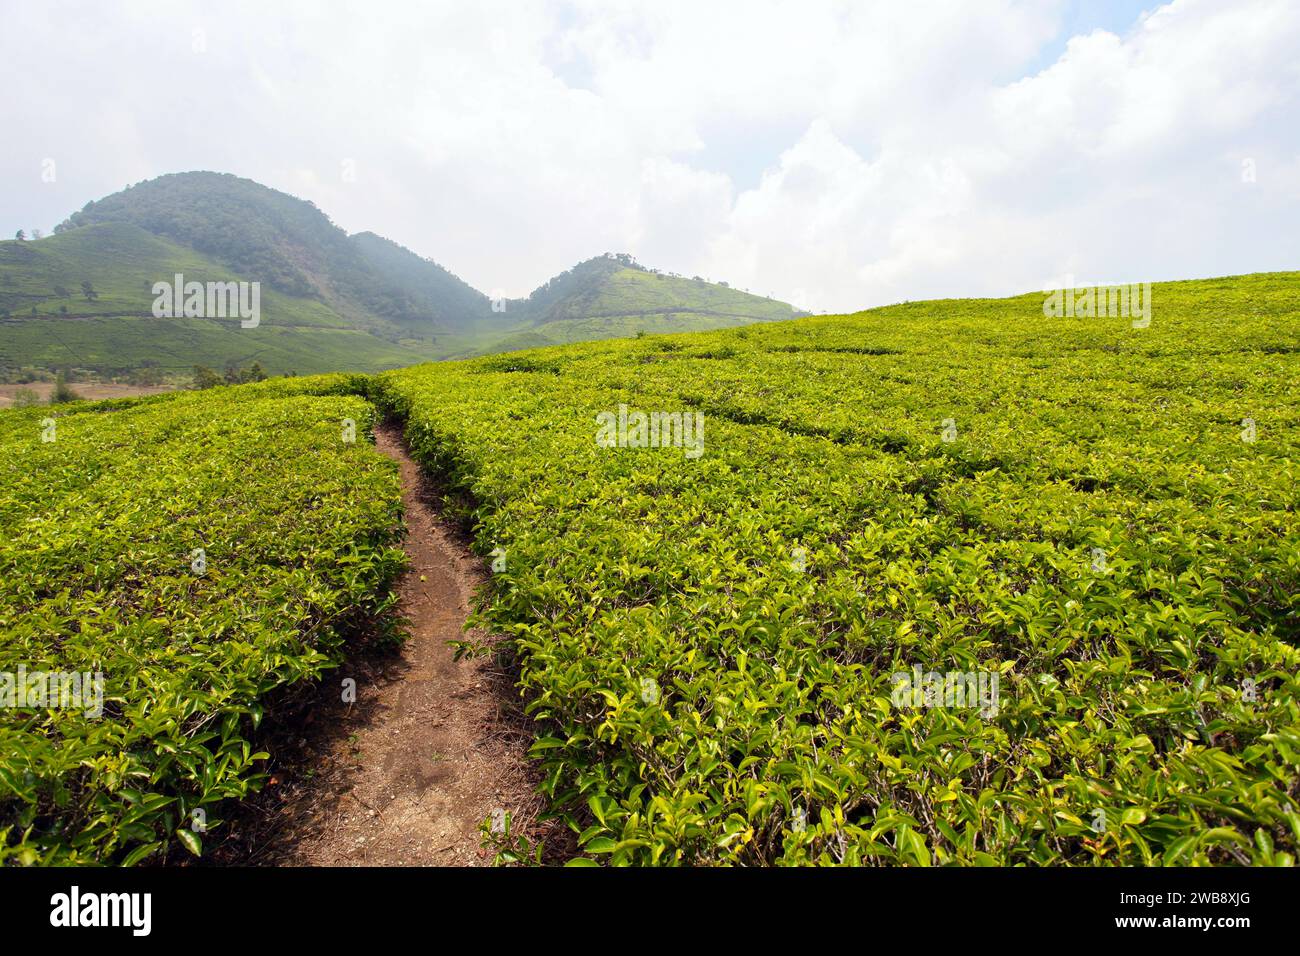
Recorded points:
(836, 155)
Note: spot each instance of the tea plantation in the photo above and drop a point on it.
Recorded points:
(942, 583)
(1099, 517)
(197, 550)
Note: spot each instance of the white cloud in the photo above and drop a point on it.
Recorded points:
(834, 154)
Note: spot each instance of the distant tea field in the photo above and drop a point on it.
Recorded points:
(947, 582)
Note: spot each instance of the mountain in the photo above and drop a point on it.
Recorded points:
(330, 301)
(614, 296)
(289, 245)
(437, 294)
(48, 321)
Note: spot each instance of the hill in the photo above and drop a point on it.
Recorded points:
(282, 241)
(332, 301)
(48, 320)
(613, 296)
(432, 293)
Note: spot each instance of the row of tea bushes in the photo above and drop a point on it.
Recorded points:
(197, 550)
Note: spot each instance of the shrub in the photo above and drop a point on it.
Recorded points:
(25, 398)
(63, 393)
(198, 550)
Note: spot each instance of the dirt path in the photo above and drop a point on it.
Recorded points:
(431, 748)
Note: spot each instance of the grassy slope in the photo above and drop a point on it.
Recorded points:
(291, 246)
(118, 330)
(632, 291)
(1122, 691)
(670, 293)
(629, 301)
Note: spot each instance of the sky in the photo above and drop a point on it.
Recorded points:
(836, 155)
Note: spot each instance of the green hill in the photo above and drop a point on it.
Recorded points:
(613, 296)
(49, 321)
(284, 242)
(331, 302)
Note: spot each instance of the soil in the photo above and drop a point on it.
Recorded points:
(431, 748)
(88, 390)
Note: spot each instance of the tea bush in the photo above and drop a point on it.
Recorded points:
(1101, 516)
(103, 508)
